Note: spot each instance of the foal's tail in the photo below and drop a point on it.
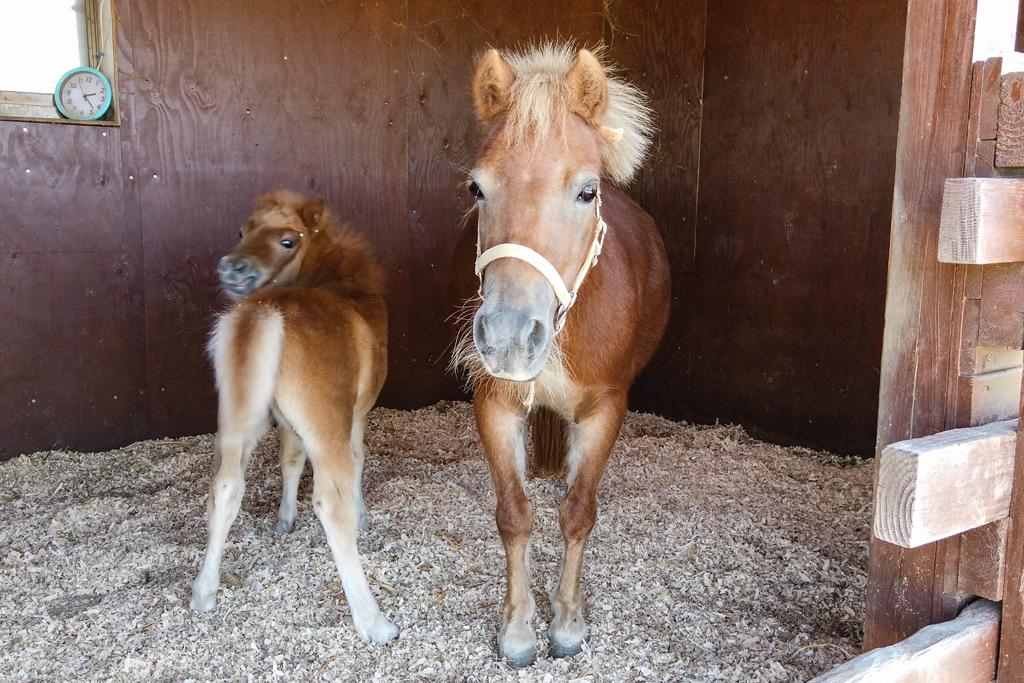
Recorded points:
(246, 347)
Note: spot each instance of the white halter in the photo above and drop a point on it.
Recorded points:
(566, 297)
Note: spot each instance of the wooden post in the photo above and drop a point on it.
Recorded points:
(1011, 642)
(907, 588)
(1020, 28)
(983, 561)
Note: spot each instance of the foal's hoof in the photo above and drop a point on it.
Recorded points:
(559, 650)
(284, 526)
(203, 602)
(379, 631)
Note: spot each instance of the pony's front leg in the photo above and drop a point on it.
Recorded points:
(503, 431)
(591, 439)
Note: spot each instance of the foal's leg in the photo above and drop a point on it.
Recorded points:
(502, 430)
(333, 483)
(358, 446)
(293, 461)
(231, 456)
(590, 443)
(246, 355)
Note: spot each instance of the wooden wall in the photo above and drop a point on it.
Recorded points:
(107, 246)
(780, 275)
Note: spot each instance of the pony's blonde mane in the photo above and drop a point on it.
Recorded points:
(539, 105)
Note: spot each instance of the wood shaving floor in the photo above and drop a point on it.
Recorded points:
(715, 558)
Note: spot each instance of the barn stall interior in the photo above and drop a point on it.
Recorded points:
(783, 130)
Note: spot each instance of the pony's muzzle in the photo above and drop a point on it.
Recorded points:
(513, 345)
(238, 274)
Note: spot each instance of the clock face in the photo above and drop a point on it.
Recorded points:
(83, 95)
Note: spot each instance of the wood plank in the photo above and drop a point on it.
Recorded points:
(1010, 136)
(1019, 47)
(210, 139)
(982, 561)
(936, 486)
(665, 59)
(1011, 639)
(988, 397)
(1001, 320)
(989, 93)
(992, 358)
(979, 160)
(962, 651)
(982, 220)
(822, 216)
(920, 350)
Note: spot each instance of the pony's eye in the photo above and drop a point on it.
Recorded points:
(474, 189)
(587, 194)
(287, 244)
(241, 233)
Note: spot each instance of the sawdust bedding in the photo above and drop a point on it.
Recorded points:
(715, 558)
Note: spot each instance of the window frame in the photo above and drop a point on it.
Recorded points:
(39, 107)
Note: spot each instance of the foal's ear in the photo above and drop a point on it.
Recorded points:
(588, 86)
(311, 212)
(491, 85)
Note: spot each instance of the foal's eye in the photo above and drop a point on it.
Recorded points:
(241, 233)
(287, 244)
(587, 194)
(474, 189)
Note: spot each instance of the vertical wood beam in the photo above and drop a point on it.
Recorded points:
(907, 588)
(1020, 28)
(1011, 639)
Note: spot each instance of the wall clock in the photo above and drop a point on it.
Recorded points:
(83, 94)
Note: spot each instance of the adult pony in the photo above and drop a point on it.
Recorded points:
(307, 341)
(553, 327)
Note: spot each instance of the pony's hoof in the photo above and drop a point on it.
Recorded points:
(560, 650)
(284, 526)
(517, 645)
(519, 660)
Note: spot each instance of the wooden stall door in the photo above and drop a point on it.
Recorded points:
(952, 354)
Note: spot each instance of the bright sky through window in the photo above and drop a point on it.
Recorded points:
(995, 32)
(39, 41)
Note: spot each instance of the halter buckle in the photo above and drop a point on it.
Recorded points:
(560, 317)
(602, 229)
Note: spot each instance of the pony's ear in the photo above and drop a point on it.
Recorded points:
(588, 87)
(311, 212)
(491, 85)
(265, 201)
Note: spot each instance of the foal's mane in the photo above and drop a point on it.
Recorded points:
(539, 104)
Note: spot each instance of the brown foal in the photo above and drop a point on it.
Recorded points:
(560, 134)
(307, 342)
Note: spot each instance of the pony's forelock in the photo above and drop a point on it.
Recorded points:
(539, 105)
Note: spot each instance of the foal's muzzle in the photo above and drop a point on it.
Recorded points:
(238, 274)
(512, 344)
